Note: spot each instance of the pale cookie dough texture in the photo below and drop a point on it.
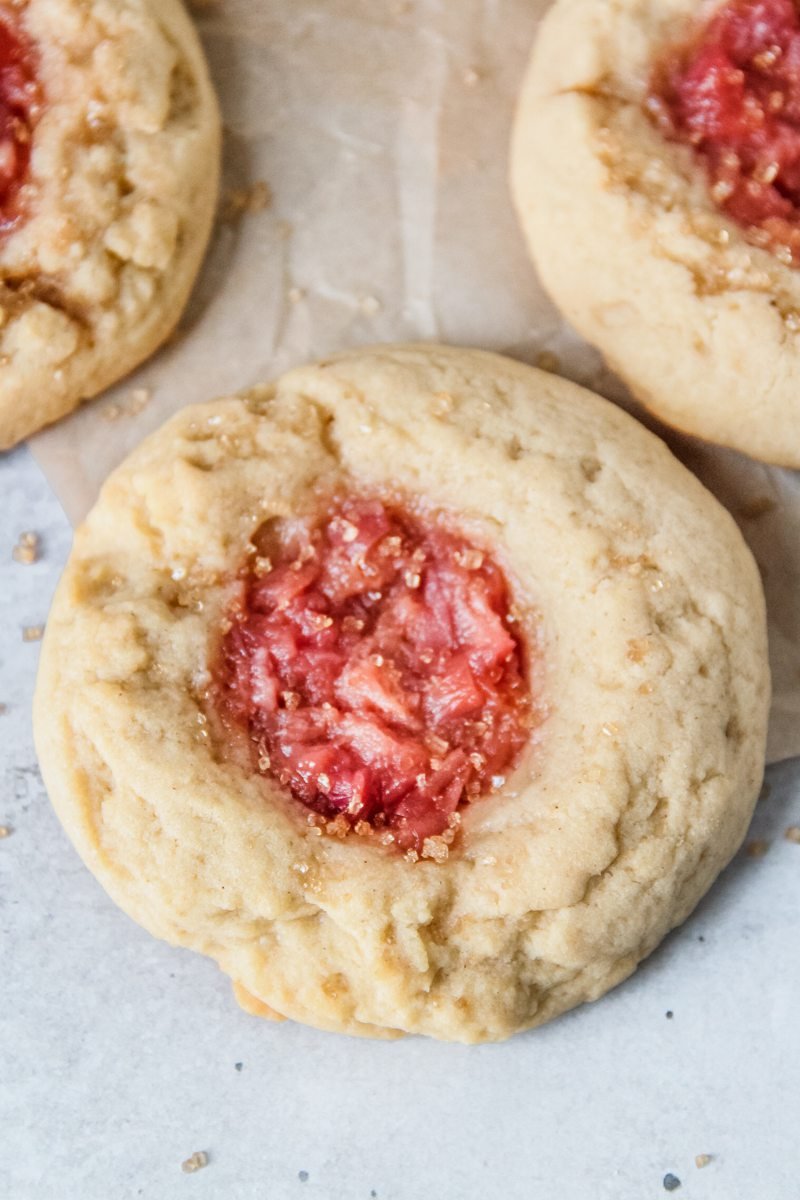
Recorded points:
(703, 327)
(635, 793)
(118, 207)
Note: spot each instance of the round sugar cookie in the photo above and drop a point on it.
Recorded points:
(109, 163)
(656, 173)
(422, 690)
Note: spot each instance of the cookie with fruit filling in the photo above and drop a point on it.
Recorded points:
(109, 148)
(656, 172)
(422, 690)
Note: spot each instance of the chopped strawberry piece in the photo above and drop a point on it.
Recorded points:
(479, 627)
(282, 585)
(454, 693)
(20, 102)
(350, 794)
(372, 662)
(264, 682)
(445, 785)
(381, 749)
(280, 638)
(426, 811)
(294, 727)
(314, 764)
(374, 682)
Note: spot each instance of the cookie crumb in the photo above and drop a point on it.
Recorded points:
(195, 1162)
(547, 361)
(759, 506)
(671, 1182)
(472, 76)
(253, 199)
(792, 834)
(370, 306)
(32, 633)
(295, 295)
(302, 1176)
(5, 831)
(702, 1160)
(136, 400)
(757, 848)
(27, 548)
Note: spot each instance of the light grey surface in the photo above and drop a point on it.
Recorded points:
(118, 1053)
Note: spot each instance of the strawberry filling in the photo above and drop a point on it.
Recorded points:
(733, 94)
(19, 103)
(374, 660)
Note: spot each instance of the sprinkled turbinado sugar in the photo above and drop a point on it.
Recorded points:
(375, 661)
(19, 106)
(733, 93)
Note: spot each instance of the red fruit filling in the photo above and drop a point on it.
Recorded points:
(19, 104)
(374, 659)
(733, 93)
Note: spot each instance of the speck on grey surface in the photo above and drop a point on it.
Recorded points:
(116, 1050)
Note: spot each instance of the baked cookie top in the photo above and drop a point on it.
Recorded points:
(109, 148)
(641, 614)
(653, 173)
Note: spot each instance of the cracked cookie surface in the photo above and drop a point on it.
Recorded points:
(634, 793)
(703, 325)
(116, 206)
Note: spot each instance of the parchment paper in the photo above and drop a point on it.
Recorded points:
(382, 128)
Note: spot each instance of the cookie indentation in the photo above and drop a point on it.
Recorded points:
(733, 94)
(376, 661)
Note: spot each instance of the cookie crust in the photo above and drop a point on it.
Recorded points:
(703, 326)
(637, 792)
(118, 206)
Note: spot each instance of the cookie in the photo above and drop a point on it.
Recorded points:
(109, 162)
(422, 690)
(656, 173)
